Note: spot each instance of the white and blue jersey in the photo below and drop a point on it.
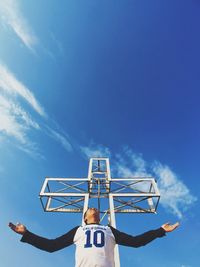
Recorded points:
(94, 246)
(94, 243)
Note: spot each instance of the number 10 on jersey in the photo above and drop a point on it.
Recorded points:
(96, 238)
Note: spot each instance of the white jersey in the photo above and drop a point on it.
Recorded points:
(94, 243)
(94, 246)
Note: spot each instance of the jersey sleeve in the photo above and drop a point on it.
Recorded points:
(49, 245)
(136, 241)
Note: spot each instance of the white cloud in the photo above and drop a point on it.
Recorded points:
(94, 150)
(124, 171)
(129, 164)
(12, 86)
(175, 195)
(58, 44)
(15, 124)
(61, 138)
(12, 16)
(31, 149)
(14, 121)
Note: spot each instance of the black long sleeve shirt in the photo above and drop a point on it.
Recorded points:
(67, 239)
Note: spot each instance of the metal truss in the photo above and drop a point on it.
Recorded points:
(64, 194)
(130, 195)
(110, 195)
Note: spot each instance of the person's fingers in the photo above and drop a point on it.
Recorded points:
(18, 228)
(176, 225)
(12, 226)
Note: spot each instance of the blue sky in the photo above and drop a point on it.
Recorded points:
(100, 78)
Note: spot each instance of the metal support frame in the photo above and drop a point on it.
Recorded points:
(117, 195)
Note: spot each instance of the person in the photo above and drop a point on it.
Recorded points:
(94, 242)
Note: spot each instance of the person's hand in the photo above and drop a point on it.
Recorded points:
(18, 228)
(170, 227)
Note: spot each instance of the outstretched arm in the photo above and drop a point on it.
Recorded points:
(143, 239)
(46, 244)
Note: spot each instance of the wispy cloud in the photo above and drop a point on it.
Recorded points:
(12, 86)
(129, 164)
(12, 16)
(52, 47)
(63, 139)
(58, 44)
(175, 195)
(16, 122)
(94, 150)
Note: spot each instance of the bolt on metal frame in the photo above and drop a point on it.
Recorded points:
(110, 195)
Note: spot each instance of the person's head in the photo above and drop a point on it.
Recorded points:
(91, 216)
